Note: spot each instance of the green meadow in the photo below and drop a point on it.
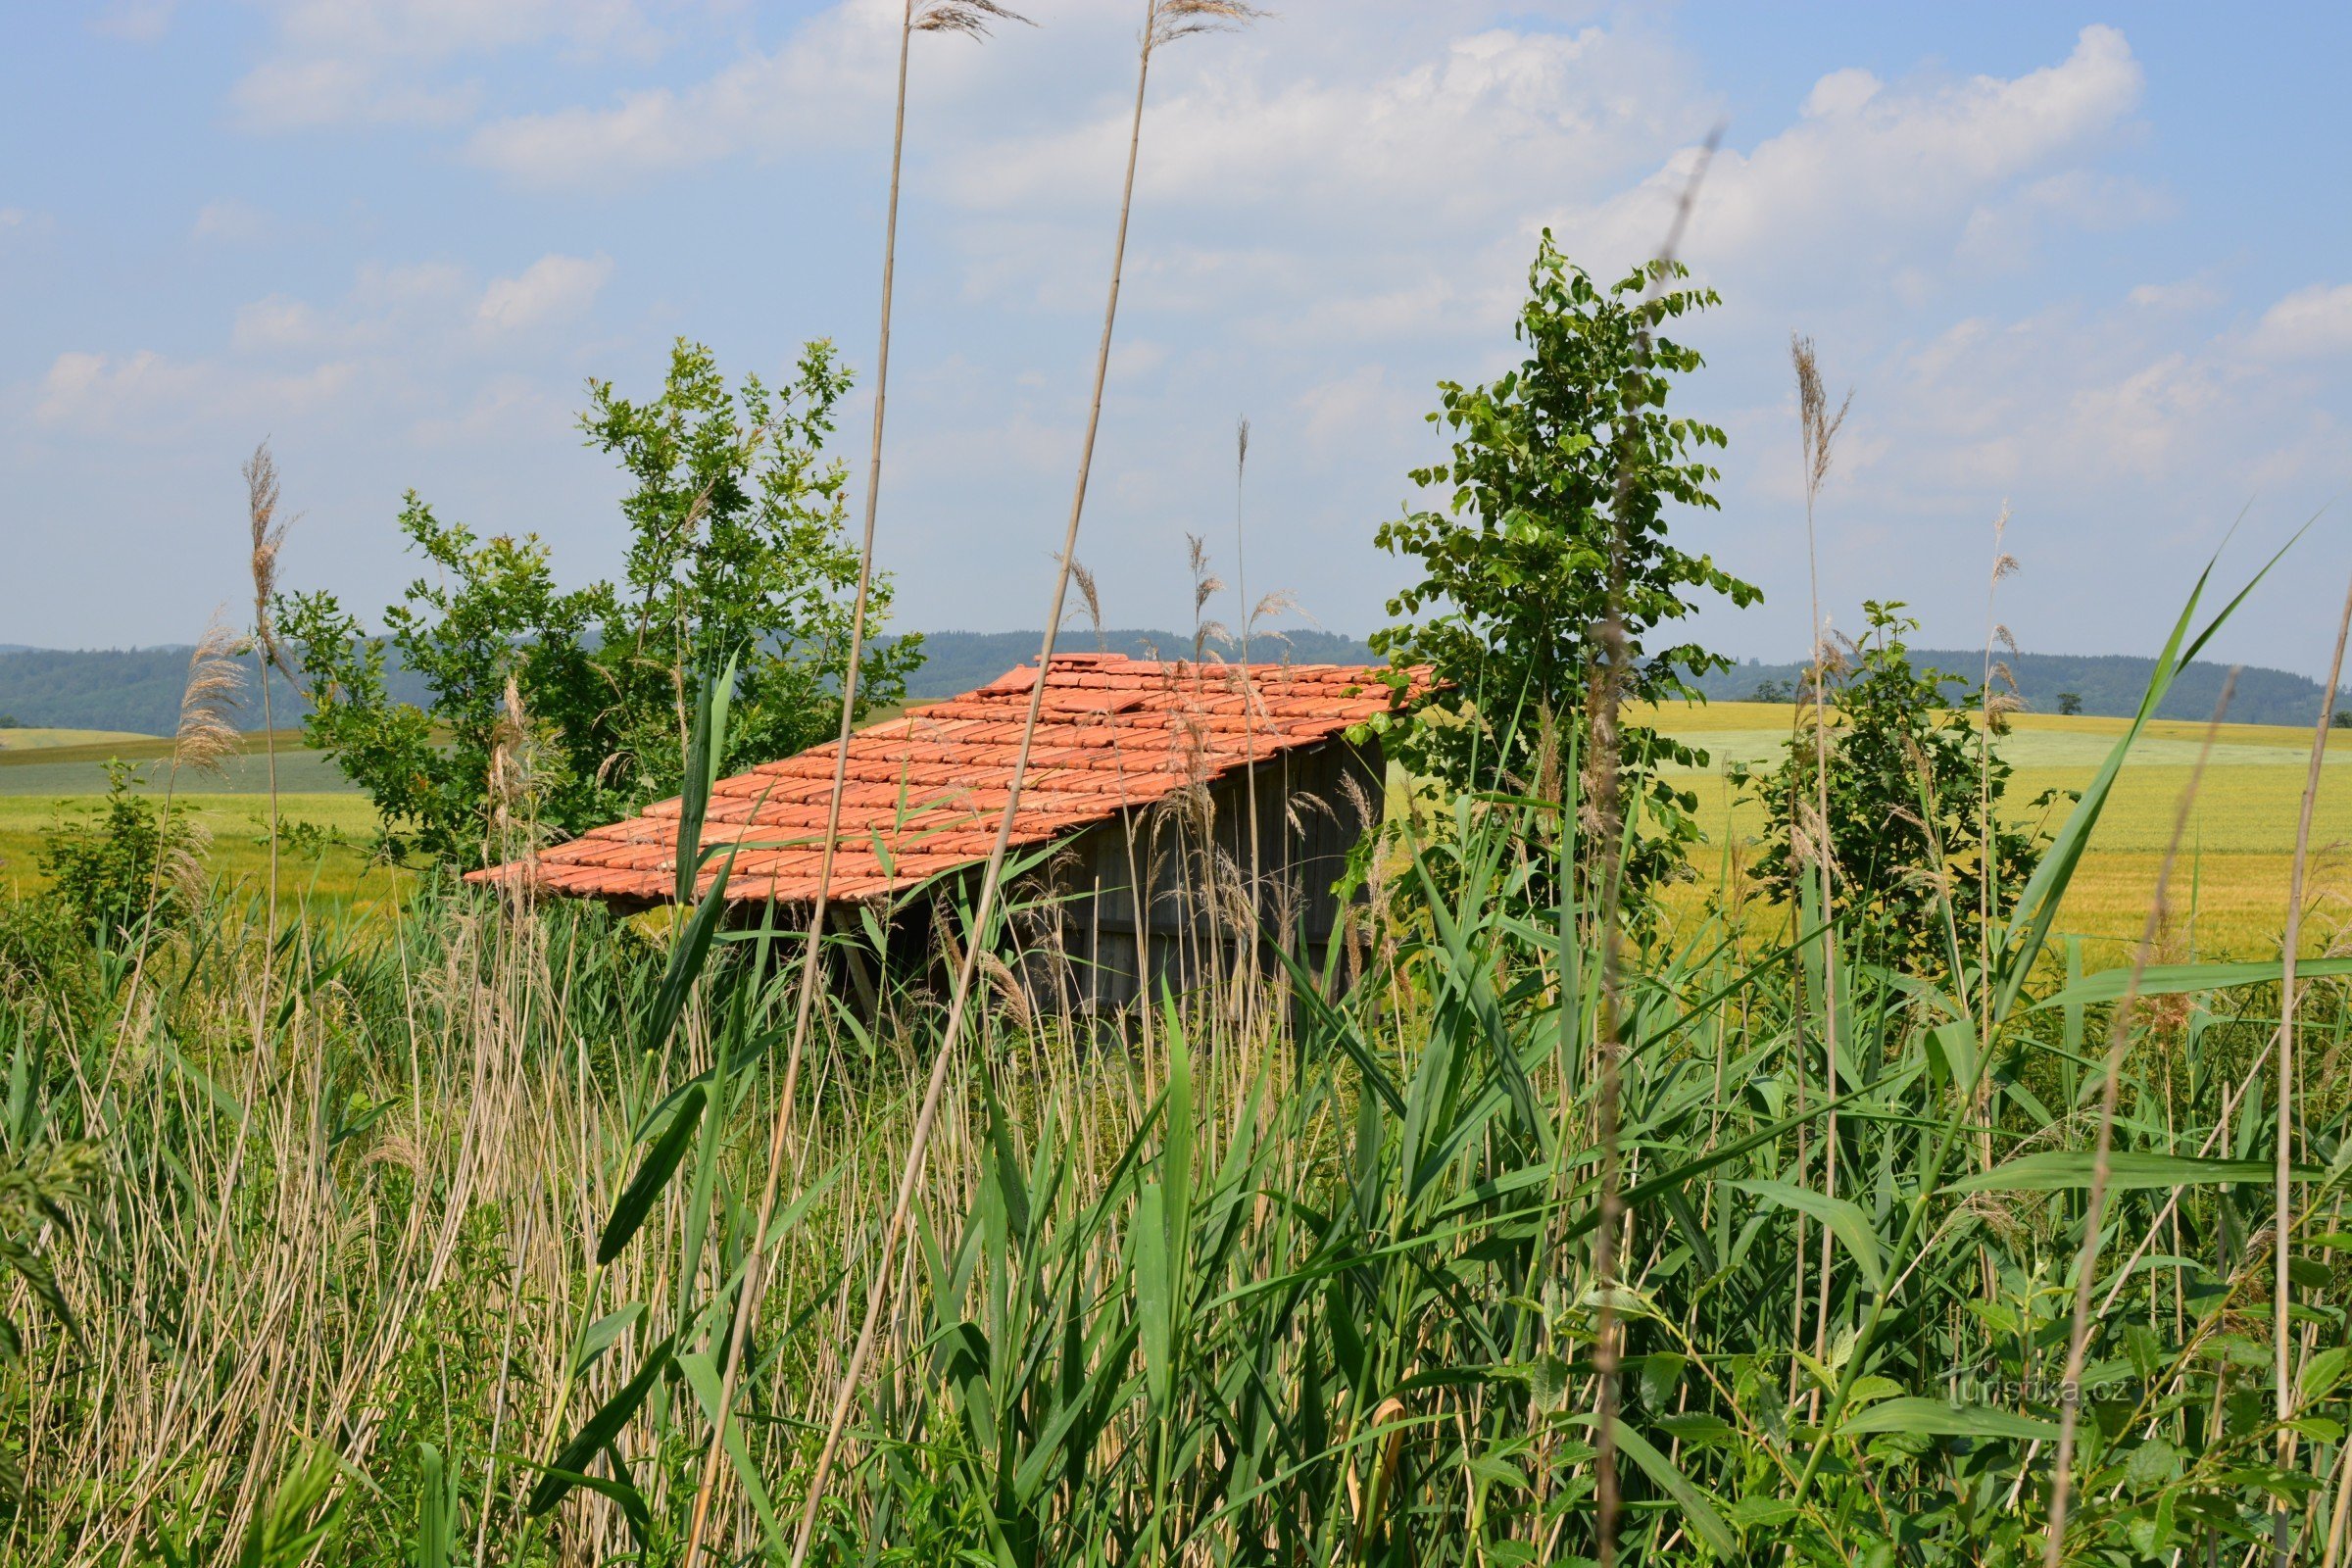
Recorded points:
(2236, 853)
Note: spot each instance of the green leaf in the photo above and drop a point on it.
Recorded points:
(661, 1162)
(1846, 1221)
(2150, 1464)
(2321, 1373)
(2126, 1171)
(2181, 979)
(568, 1468)
(1934, 1418)
(1153, 1307)
(686, 960)
(599, 1336)
(436, 1512)
(621, 1494)
(1952, 1052)
(1700, 1509)
(1697, 1429)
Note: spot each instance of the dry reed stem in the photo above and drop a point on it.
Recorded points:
(2281, 1291)
(1607, 697)
(2118, 1031)
(1180, 15)
(1817, 431)
(969, 18)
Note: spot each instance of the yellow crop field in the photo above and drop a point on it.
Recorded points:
(2230, 886)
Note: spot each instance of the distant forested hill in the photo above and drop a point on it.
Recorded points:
(138, 689)
(132, 689)
(2107, 683)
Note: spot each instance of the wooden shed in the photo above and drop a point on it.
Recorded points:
(1229, 793)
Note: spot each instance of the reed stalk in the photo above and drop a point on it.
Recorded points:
(968, 18)
(2119, 1037)
(269, 537)
(1818, 429)
(1164, 21)
(2290, 954)
(1607, 699)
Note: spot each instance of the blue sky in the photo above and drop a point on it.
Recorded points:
(2090, 265)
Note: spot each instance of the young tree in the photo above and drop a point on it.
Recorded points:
(2070, 702)
(737, 549)
(1915, 805)
(1554, 466)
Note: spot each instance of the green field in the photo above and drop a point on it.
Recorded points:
(40, 740)
(2231, 888)
(54, 785)
(325, 855)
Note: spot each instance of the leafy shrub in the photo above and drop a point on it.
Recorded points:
(1915, 833)
(116, 870)
(737, 549)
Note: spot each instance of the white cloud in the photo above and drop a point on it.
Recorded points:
(436, 29)
(281, 324)
(1345, 413)
(146, 395)
(298, 94)
(1136, 359)
(386, 287)
(1467, 120)
(1890, 175)
(1841, 92)
(417, 304)
(139, 21)
(381, 62)
(2312, 323)
(135, 20)
(424, 342)
(510, 409)
(2148, 422)
(804, 90)
(2188, 294)
(231, 221)
(553, 288)
(16, 221)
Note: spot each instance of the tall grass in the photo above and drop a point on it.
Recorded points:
(434, 1259)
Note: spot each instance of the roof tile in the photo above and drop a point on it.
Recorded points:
(926, 791)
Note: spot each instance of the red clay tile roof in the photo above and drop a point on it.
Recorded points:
(924, 793)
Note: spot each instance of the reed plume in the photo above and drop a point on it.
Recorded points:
(1206, 585)
(969, 18)
(269, 537)
(205, 734)
(1090, 601)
